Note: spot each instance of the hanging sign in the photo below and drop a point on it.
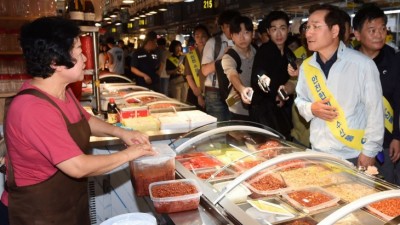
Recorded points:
(208, 4)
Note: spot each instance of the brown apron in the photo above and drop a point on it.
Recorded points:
(60, 200)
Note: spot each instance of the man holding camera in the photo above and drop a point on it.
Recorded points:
(269, 74)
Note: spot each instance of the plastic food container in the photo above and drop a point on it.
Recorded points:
(302, 221)
(148, 169)
(387, 209)
(310, 199)
(266, 184)
(200, 163)
(206, 174)
(131, 219)
(191, 155)
(237, 195)
(175, 195)
(291, 165)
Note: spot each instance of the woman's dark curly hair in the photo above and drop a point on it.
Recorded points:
(48, 41)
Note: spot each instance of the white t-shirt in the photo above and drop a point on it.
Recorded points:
(118, 60)
(208, 56)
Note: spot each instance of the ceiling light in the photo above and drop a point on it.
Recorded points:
(118, 23)
(128, 1)
(153, 11)
(392, 11)
(188, 0)
(162, 8)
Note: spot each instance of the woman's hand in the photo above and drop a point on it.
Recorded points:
(131, 137)
(136, 151)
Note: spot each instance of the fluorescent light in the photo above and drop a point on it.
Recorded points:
(392, 11)
(128, 1)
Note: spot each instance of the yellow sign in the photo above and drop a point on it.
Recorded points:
(208, 4)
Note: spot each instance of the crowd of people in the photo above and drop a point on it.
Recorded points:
(281, 79)
(272, 62)
(317, 88)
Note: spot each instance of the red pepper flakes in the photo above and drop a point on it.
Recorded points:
(390, 207)
(173, 190)
(309, 198)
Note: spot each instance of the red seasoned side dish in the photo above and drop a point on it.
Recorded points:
(173, 190)
(242, 166)
(309, 198)
(174, 197)
(389, 207)
(269, 144)
(200, 162)
(207, 175)
(298, 222)
(190, 155)
(267, 183)
(147, 99)
(291, 164)
(162, 105)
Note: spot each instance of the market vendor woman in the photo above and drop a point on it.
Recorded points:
(47, 132)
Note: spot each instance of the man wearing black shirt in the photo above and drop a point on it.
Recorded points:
(370, 29)
(145, 63)
(271, 60)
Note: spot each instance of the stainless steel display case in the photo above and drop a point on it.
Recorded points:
(239, 154)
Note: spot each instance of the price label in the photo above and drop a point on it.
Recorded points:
(208, 4)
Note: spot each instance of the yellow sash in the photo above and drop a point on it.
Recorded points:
(174, 60)
(338, 127)
(194, 64)
(177, 63)
(300, 53)
(388, 115)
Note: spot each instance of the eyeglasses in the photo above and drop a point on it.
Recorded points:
(314, 27)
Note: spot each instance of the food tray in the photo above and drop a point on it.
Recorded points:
(200, 163)
(266, 184)
(290, 165)
(311, 175)
(190, 155)
(225, 174)
(268, 218)
(302, 221)
(310, 199)
(387, 209)
(244, 165)
(237, 195)
(148, 169)
(175, 195)
(346, 190)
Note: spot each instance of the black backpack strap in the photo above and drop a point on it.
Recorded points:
(217, 49)
(217, 46)
(232, 53)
